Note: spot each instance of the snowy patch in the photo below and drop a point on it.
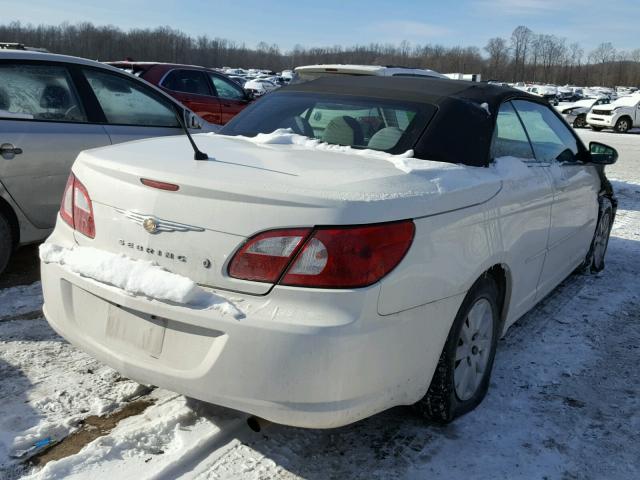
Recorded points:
(285, 136)
(135, 277)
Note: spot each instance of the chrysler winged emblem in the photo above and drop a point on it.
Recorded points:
(150, 225)
(155, 225)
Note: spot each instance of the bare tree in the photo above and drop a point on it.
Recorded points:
(520, 44)
(498, 56)
(525, 56)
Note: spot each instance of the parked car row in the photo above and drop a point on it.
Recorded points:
(621, 115)
(208, 93)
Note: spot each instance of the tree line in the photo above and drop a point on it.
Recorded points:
(525, 56)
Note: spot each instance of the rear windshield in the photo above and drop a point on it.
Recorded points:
(359, 122)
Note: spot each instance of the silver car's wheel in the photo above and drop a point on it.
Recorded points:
(474, 347)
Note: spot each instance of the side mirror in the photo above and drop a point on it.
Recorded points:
(602, 154)
(192, 120)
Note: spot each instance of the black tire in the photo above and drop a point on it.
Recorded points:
(597, 129)
(623, 125)
(6, 242)
(580, 121)
(442, 403)
(594, 262)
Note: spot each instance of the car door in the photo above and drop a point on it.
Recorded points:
(525, 209)
(575, 191)
(130, 109)
(44, 124)
(232, 98)
(193, 89)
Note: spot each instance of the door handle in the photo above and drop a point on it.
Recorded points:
(8, 149)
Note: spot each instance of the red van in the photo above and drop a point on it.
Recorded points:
(210, 94)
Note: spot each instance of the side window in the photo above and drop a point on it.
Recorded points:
(509, 138)
(187, 81)
(226, 89)
(550, 137)
(124, 101)
(39, 92)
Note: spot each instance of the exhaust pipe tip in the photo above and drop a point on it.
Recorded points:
(256, 423)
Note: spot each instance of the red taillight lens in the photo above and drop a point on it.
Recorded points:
(264, 257)
(76, 208)
(344, 257)
(350, 257)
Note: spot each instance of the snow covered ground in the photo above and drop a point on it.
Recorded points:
(564, 401)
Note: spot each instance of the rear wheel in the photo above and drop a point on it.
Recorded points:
(580, 121)
(461, 379)
(623, 125)
(6, 242)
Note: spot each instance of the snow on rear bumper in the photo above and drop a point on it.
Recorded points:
(300, 357)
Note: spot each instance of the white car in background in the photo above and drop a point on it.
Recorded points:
(260, 86)
(622, 115)
(348, 245)
(576, 113)
(311, 72)
(548, 92)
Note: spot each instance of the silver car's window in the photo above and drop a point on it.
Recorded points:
(226, 89)
(39, 92)
(550, 137)
(510, 139)
(124, 102)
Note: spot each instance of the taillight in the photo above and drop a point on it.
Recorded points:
(264, 257)
(76, 208)
(336, 257)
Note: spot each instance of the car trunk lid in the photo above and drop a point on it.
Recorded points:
(246, 188)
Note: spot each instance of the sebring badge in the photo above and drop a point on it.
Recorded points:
(155, 225)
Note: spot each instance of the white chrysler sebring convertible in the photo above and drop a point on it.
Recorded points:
(344, 246)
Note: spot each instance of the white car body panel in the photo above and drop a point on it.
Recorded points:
(343, 354)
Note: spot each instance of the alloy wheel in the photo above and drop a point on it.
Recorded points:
(473, 349)
(622, 126)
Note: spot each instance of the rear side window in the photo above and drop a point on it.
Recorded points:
(187, 81)
(39, 92)
(550, 137)
(359, 122)
(225, 89)
(126, 102)
(510, 139)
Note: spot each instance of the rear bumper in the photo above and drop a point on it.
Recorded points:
(316, 359)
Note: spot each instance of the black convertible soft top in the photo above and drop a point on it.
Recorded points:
(462, 128)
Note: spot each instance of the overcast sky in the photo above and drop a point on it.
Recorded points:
(347, 22)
